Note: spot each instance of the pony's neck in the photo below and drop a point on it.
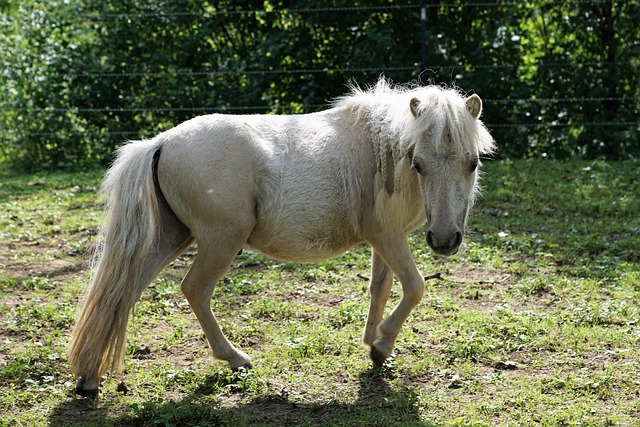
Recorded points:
(388, 143)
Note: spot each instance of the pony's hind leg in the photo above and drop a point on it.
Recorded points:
(380, 288)
(174, 240)
(198, 286)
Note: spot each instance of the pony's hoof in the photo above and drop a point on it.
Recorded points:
(239, 360)
(84, 391)
(377, 357)
(245, 366)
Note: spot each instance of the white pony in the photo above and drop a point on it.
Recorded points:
(373, 168)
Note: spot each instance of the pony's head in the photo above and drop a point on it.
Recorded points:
(448, 141)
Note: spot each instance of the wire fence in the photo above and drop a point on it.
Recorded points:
(240, 109)
(529, 107)
(212, 11)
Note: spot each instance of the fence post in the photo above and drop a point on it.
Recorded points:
(423, 39)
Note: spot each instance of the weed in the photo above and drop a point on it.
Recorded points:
(533, 323)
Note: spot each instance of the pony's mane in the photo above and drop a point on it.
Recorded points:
(385, 107)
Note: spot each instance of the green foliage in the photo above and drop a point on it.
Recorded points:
(79, 77)
(560, 72)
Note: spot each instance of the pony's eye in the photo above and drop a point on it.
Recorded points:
(416, 166)
(474, 165)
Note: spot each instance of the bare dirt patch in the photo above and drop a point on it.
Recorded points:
(21, 260)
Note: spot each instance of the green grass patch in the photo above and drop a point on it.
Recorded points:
(534, 323)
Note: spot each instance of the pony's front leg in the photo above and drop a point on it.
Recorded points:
(395, 252)
(380, 288)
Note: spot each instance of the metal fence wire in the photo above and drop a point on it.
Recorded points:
(517, 118)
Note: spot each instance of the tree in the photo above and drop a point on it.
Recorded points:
(80, 77)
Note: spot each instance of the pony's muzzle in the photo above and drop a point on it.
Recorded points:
(444, 245)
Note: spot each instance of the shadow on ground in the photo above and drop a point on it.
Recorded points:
(377, 404)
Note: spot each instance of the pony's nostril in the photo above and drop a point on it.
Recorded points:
(431, 240)
(456, 240)
(444, 246)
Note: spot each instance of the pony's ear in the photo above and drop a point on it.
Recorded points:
(413, 105)
(474, 105)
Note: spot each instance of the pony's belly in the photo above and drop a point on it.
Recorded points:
(307, 246)
(296, 256)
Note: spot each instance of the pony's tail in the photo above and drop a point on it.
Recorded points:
(127, 238)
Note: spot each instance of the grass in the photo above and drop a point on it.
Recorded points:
(535, 323)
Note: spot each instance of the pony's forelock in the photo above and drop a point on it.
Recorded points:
(385, 106)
